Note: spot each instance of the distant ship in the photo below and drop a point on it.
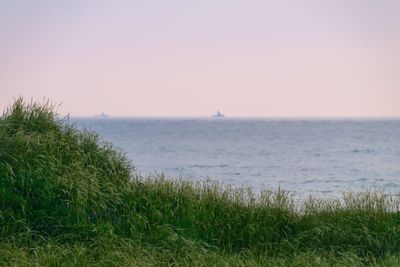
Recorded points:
(102, 116)
(218, 115)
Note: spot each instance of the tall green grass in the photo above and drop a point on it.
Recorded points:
(68, 196)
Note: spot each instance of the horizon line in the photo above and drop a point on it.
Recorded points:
(231, 117)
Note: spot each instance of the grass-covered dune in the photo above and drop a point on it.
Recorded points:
(69, 198)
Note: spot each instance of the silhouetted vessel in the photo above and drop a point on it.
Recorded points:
(102, 116)
(218, 115)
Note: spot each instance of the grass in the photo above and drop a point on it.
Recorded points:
(69, 198)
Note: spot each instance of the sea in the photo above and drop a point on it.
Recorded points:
(323, 158)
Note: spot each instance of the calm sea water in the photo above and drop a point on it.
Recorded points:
(318, 157)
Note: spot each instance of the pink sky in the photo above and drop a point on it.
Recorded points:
(190, 58)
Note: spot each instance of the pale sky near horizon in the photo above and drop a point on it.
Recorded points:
(190, 58)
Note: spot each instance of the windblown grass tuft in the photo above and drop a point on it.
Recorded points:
(56, 180)
(67, 197)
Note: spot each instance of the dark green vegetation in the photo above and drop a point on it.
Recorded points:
(67, 197)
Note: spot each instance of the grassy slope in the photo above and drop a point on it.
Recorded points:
(68, 197)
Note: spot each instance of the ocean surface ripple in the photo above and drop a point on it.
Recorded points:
(321, 157)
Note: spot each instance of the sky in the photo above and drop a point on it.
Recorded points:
(263, 58)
